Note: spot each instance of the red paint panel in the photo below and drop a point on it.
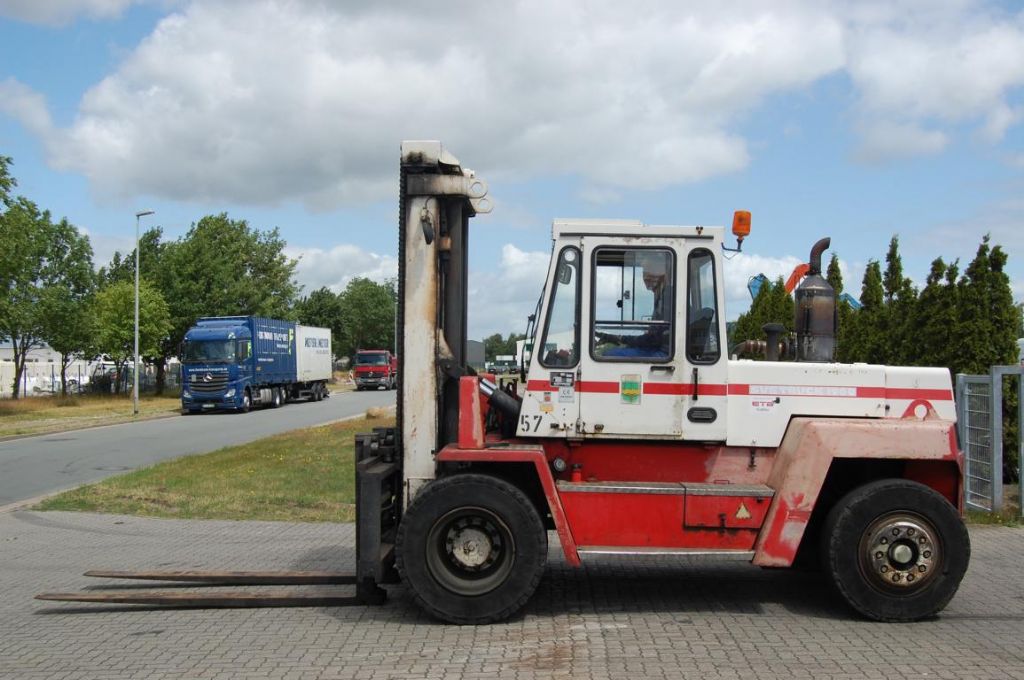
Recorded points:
(677, 389)
(634, 461)
(636, 520)
(624, 519)
(471, 420)
(597, 386)
(730, 512)
(914, 393)
(611, 387)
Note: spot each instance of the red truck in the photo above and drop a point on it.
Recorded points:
(376, 368)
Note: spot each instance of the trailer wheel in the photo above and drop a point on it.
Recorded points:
(318, 392)
(896, 550)
(471, 548)
(276, 397)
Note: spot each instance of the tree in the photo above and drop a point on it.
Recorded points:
(496, 345)
(26, 233)
(65, 318)
(866, 326)
(7, 182)
(935, 317)
(899, 297)
(115, 322)
(368, 314)
(844, 311)
(220, 267)
(324, 308)
(772, 305)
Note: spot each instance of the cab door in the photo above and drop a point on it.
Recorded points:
(704, 357)
(631, 368)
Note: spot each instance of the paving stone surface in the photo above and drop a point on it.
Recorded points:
(612, 619)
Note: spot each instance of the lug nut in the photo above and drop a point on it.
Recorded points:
(884, 540)
(884, 568)
(922, 540)
(910, 532)
(895, 532)
(922, 569)
(879, 555)
(910, 577)
(927, 554)
(895, 578)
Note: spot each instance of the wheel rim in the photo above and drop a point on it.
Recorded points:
(470, 551)
(900, 553)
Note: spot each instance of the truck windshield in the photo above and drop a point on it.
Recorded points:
(209, 350)
(371, 360)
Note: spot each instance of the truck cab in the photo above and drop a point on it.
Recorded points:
(375, 368)
(216, 366)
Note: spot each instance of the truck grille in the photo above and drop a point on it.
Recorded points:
(200, 384)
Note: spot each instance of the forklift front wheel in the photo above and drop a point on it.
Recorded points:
(472, 549)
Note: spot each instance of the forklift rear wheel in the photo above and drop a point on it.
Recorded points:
(472, 549)
(896, 550)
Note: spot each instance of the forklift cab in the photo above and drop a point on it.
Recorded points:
(629, 342)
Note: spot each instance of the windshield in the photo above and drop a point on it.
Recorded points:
(371, 360)
(209, 351)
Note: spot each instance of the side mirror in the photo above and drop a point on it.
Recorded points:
(564, 274)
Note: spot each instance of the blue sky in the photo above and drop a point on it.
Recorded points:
(852, 120)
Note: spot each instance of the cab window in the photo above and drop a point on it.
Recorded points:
(702, 341)
(560, 347)
(633, 306)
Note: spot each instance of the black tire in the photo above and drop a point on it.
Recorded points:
(318, 392)
(276, 398)
(895, 550)
(246, 401)
(504, 549)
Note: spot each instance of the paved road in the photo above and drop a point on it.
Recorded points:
(617, 619)
(37, 465)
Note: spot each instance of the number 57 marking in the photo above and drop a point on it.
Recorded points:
(525, 423)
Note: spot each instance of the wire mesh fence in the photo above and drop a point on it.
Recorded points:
(44, 378)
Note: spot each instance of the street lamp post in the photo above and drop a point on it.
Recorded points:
(135, 391)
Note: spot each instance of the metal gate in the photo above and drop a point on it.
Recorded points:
(979, 404)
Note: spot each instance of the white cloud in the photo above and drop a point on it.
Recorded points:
(502, 298)
(269, 101)
(60, 12)
(20, 101)
(920, 64)
(334, 268)
(260, 102)
(885, 141)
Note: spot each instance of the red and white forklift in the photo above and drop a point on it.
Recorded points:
(634, 433)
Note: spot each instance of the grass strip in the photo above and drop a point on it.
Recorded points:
(39, 415)
(300, 476)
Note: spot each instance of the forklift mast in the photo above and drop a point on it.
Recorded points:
(438, 197)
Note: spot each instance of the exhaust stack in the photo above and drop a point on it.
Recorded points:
(816, 312)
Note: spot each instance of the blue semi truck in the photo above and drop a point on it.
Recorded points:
(238, 362)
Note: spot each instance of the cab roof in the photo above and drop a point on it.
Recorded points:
(607, 227)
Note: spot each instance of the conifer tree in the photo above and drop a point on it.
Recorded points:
(866, 342)
(899, 298)
(772, 305)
